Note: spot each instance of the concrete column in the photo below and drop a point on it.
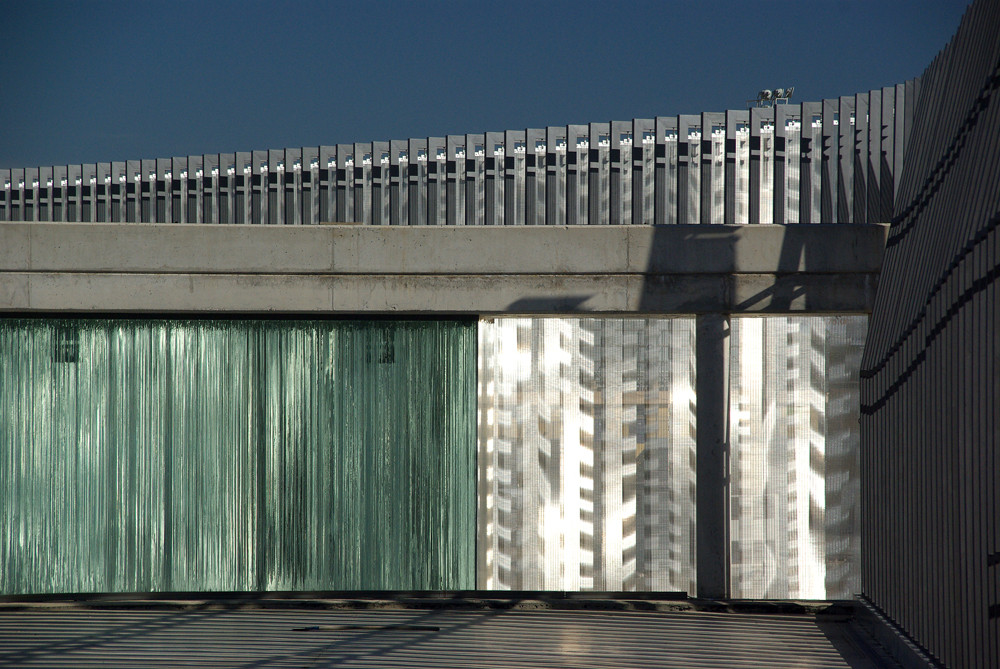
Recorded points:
(712, 415)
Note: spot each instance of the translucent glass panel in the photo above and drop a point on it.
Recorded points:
(236, 455)
(794, 437)
(586, 454)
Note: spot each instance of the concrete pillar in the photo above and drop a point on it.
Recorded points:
(712, 390)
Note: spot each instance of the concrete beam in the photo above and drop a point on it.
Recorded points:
(151, 268)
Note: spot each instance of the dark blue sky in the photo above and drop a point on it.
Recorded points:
(114, 81)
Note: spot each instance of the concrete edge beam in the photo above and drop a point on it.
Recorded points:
(355, 249)
(150, 293)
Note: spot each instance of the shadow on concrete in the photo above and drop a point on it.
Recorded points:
(533, 305)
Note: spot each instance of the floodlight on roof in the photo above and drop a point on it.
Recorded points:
(788, 91)
(779, 93)
(765, 94)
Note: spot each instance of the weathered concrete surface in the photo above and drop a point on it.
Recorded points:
(156, 268)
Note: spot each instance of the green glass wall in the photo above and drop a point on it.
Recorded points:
(140, 455)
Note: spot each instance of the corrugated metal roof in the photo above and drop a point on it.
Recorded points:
(85, 637)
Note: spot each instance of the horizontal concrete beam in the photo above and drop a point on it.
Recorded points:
(150, 268)
(355, 249)
(445, 294)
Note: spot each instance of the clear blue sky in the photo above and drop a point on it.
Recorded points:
(88, 82)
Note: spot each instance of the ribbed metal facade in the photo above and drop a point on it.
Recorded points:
(832, 161)
(930, 374)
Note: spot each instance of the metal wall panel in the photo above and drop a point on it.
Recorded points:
(577, 163)
(774, 164)
(327, 184)
(873, 160)
(830, 188)
(74, 181)
(60, 194)
(534, 176)
(930, 432)
(791, 181)
(845, 168)
(515, 159)
(116, 192)
(149, 183)
(102, 194)
(29, 201)
(598, 168)
(688, 169)
(779, 135)
(811, 163)
(475, 179)
(133, 190)
(16, 194)
(643, 171)
(756, 180)
(343, 180)
(89, 189)
(311, 193)
(178, 190)
(859, 160)
(713, 170)
(5, 196)
(361, 177)
(45, 189)
(195, 190)
(737, 205)
(620, 173)
(416, 182)
(398, 190)
(455, 179)
(272, 188)
(377, 182)
(556, 178)
(161, 212)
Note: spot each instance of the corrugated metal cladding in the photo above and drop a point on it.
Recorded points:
(587, 455)
(931, 369)
(833, 161)
(142, 456)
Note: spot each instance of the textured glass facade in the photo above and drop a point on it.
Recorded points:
(794, 438)
(586, 454)
(233, 455)
(140, 455)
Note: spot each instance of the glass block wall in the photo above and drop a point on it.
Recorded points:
(140, 455)
(586, 454)
(794, 438)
